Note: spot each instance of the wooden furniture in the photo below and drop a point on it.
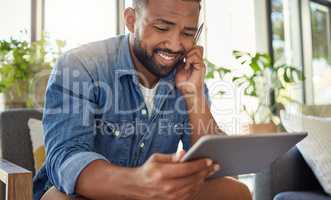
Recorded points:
(18, 181)
(16, 147)
(262, 128)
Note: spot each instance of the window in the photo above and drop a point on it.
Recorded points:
(286, 32)
(128, 3)
(80, 21)
(321, 51)
(278, 33)
(15, 16)
(286, 39)
(301, 37)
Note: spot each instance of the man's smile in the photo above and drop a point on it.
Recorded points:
(165, 58)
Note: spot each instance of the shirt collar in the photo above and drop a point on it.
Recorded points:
(124, 64)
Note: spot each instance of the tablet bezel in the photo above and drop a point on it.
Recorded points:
(293, 139)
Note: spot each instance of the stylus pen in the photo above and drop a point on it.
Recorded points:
(197, 36)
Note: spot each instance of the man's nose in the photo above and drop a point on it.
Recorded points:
(174, 42)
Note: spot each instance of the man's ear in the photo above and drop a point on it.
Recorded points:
(130, 19)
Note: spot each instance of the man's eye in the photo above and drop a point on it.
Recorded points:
(161, 28)
(189, 34)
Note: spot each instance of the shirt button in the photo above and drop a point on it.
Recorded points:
(142, 145)
(117, 133)
(144, 112)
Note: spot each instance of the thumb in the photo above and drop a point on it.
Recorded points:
(178, 156)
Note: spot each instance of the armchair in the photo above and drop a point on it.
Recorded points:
(16, 163)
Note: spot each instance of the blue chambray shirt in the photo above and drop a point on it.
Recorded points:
(94, 110)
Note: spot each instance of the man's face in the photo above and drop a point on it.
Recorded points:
(163, 33)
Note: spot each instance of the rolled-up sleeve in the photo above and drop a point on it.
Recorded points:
(69, 122)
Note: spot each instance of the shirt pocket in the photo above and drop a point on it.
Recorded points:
(117, 140)
(167, 137)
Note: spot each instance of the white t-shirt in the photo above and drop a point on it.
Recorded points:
(149, 97)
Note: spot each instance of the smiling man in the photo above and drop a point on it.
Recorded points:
(116, 110)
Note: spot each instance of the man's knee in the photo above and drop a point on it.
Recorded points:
(243, 191)
(237, 189)
(225, 188)
(54, 194)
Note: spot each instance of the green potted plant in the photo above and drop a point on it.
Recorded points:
(265, 86)
(20, 62)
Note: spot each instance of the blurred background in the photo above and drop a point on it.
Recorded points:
(263, 56)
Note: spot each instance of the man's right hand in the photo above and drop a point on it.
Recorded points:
(163, 177)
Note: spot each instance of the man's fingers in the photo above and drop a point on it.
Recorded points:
(192, 189)
(179, 170)
(196, 50)
(194, 53)
(188, 193)
(195, 61)
(178, 156)
(216, 168)
(191, 186)
(171, 167)
(191, 180)
(187, 64)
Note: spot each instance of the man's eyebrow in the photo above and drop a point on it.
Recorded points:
(166, 21)
(173, 24)
(191, 28)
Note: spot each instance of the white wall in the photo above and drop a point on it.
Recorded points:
(15, 16)
(90, 22)
(233, 25)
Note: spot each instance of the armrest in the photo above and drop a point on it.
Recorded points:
(18, 181)
(289, 173)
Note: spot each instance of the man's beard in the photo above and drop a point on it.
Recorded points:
(147, 60)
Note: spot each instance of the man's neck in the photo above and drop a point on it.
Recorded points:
(146, 78)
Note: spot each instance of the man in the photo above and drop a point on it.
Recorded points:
(116, 110)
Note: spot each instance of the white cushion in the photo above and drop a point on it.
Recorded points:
(36, 132)
(316, 148)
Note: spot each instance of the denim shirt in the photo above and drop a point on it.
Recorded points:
(94, 110)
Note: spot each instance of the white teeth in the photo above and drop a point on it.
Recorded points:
(166, 57)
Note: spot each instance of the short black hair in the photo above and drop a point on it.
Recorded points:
(140, 4)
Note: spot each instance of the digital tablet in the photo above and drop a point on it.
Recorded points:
(243, 154)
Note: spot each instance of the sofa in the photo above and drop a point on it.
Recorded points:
(290, 178)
